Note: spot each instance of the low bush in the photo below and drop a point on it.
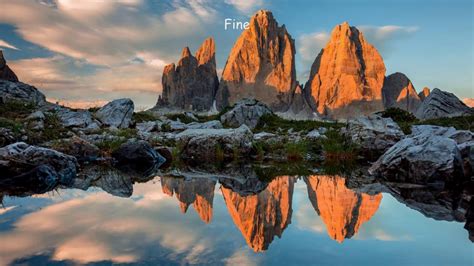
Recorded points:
(274, 123)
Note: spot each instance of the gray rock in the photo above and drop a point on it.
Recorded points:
(7, 136)
(21, 92)
(442, 104)
(201, 144)
(214, 124)
(146, 127)
(374, 133)
(38, 115)
(117, 113)
(81, 149)
(422, 159)
(76, 119)
(314, 134)
(22, 157)
(138, 156)
(245, 112)
(463, 138)
(263, 136)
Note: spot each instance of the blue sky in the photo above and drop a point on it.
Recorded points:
(83, 51)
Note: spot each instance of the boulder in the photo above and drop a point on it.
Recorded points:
(47, 164)
(261, 65)
(442, 104)
(374, 133)
(7, 136)
(193, 83)
(347, 76)
(203, 144)
(81, 149)
(146, 127)
(245, 112)
(213, 124)
(137, 156)
(75, 119)
(21, 92)
(5, 72)
(117, 113)
(399, 92)
(422, 159)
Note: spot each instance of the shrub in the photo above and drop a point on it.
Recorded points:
(399, 115)
(274, 123)
(182, 117)
(459, 122)
(144, 116)
(403, 118)
(13, 109)
(338, 147)
(109, 146)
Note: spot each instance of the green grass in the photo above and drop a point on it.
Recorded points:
(15, 109)
(109, 146)
(297, 151)
(459, 122)
(403, 118)
(182, 117)
(406, 119)
(338, 147)
(11, 124)
(273, 123)
(144, 116)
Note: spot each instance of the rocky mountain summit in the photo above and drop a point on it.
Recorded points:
(347, 76)
(442, 104)
(261, 65)
(5, 72)
(192, 84)
(398, 91)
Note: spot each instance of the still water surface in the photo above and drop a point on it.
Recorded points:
(293, 221)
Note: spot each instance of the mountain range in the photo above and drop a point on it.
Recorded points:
(347, 78)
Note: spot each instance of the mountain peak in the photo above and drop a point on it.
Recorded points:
(261, 65)
(186, 52)
(347, 76)
(5, 72)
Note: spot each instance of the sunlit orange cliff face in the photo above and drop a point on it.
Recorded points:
(262, 216)
(342, 210)
(199, 192)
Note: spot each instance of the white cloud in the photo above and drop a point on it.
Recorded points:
(106, 32)
(382, 37)
(246, 6)
(309, 45)
(5, 44)
(63, 79)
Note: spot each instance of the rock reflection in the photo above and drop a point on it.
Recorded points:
(342, 210)
(197, 191)
(262, 216)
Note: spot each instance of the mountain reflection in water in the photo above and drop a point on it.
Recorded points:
(141, 220)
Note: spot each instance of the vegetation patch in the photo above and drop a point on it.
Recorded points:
(107, 147)
(16, 109)
(337, 147)
(273, 123)
(144, 116)
(181, 117)
(406, 119)
(459, 122)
